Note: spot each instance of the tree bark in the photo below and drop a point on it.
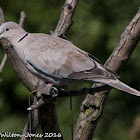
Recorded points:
(65, 20)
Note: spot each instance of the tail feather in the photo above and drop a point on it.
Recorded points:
(121, 86)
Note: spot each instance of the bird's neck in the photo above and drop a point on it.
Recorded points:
(23, 37)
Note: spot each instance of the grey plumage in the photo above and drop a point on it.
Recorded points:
(57, 60)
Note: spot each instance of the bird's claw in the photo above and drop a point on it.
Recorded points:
(51, 90)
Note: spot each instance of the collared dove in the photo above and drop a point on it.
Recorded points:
(57, 60)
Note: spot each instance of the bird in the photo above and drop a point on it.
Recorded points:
(58, 61)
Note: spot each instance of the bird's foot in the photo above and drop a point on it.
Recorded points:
(49, 84)
(52, 90)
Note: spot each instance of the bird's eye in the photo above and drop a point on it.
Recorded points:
(6, 29)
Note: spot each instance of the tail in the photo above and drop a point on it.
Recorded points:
(121, 86)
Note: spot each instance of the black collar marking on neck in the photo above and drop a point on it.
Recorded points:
(23, 37)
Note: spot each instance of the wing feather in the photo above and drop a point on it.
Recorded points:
(61, 59)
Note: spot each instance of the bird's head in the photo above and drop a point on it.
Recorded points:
(11, 31)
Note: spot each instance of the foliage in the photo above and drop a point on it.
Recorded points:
(96, 29)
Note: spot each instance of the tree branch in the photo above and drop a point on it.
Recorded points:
(92, 106)
(65, 20)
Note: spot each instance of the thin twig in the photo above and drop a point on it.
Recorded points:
(2, 19)
(71, 116)
(4, 60)
(30, 116)
(35, 123)
(78, 92)
(22, 18)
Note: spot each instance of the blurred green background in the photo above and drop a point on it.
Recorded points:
(97, 28)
